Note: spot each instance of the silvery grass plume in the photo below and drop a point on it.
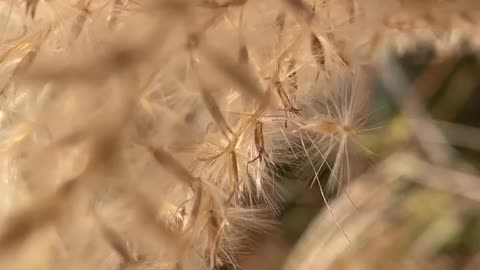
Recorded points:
(158, 134)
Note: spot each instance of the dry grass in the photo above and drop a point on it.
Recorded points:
(174, 134)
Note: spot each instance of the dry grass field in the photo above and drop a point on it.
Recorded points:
(239, 134)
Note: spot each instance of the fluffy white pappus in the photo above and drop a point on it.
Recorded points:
(335, 115)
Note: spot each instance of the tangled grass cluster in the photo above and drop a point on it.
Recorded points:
(159, 134)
